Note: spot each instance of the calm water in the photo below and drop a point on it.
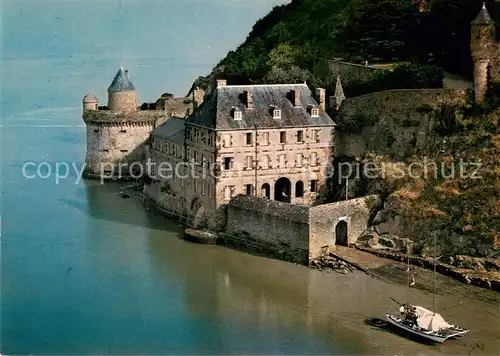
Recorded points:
(86, 272)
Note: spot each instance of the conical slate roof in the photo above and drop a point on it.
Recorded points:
(483, 17)
(121, 82)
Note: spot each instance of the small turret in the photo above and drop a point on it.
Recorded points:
(482, 47)
(338, 96)
(90, 102)
(482, 35)
(121, 93)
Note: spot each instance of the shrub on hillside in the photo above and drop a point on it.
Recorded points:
(406, 76)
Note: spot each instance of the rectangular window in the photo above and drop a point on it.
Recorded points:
(248, 162)
(314, 135)
(237, 115)
(248, 189)
(265, 162)
(105, 150)
(300, 136)
(227, 141)
(315, 112)
(277, 114)
(249, 138)
(283, 137)
(227, 193)
(123, 131)
(228, 163)
(282, 161)
(123, 151)
(314, 186)
(299, 159)
(266, 138)
(314, 159)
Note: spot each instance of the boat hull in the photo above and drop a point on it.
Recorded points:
(437, 337)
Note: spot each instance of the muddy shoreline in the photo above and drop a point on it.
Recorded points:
(335, 305)
(488, 280)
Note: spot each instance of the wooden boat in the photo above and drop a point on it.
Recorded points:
(426, 324)
(421, 322)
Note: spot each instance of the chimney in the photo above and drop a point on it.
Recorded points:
(221, 83)
(249, 98)
(296, 97)
(321, 96)
(198, 95)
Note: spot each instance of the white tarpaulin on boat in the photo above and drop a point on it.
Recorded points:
(426, 319)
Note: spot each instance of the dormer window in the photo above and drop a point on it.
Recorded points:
(314, 112)
(276, 114)
(237, 114)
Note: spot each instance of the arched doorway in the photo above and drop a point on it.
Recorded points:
(266, 191)
(282, 190)
(341, 233)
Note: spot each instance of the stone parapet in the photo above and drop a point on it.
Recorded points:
(296, 213)
(107, 116)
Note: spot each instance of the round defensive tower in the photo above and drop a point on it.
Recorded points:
(116, 135)
(90, 102)
(121, 93)
(482, 45)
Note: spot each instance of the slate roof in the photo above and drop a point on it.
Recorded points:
(179, 106)
(172, 130)
(216, 110)
(483, 17)
(121, 82)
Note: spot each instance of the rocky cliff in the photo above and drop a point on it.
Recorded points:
(448, 190)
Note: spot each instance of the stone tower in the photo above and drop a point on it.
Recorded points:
(116, 135)
(121, 93)
(483, 45)
(90, 102)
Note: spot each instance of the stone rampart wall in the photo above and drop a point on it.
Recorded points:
(323, 220)
(278, 226)
(393, 122)
(349, 72)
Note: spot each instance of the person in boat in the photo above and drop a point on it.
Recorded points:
(408, 315)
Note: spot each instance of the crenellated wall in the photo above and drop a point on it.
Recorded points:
(393, 122)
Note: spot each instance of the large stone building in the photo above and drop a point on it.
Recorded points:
(116, 133)
(272, 141)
